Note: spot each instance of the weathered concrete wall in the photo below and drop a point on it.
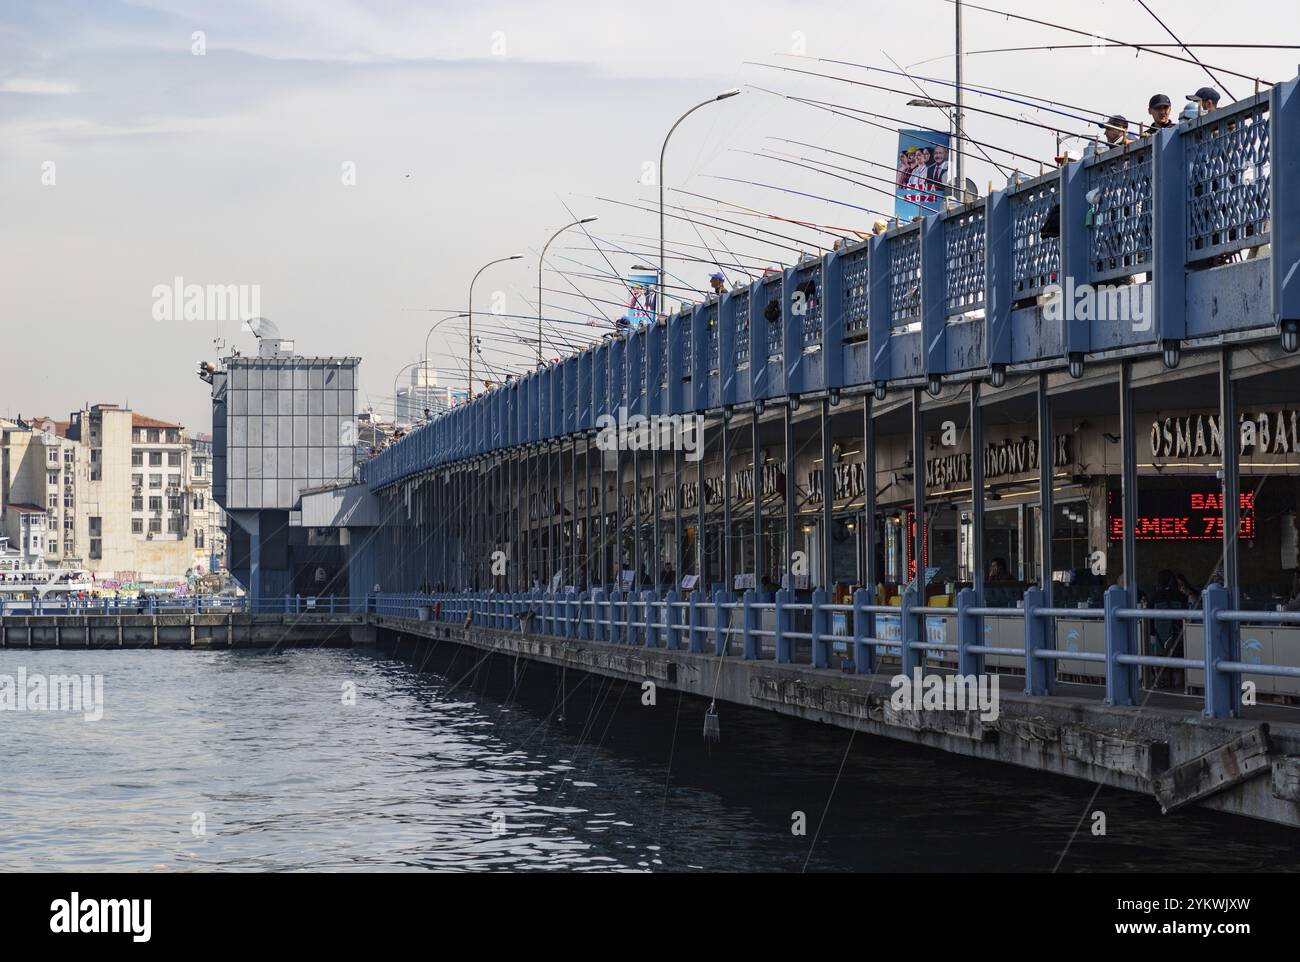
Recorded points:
(1120, 747)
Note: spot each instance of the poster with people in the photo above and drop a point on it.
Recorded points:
(922, 176)
(641, 297)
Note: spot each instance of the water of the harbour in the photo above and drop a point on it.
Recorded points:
(254, 761)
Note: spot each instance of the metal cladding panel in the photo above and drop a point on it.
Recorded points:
(832, 354)
(600, 406)
(634, 351)
(680, 400)
(546, 404)
(1076, 336)
(704, 344)
(653, 366)
(879, 312)
(532, 410)
(726, 377)
(740, 387)
(1284, 112)
(585, 420)
(934, 296)
(617, 375)
(997, 284)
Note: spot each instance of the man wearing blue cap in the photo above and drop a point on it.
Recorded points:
(1207, 98)
(718, 283)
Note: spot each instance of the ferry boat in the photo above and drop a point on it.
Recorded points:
(18, 583)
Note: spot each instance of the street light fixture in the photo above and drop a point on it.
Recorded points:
(540, 262)
(469, 391)
(662, 150)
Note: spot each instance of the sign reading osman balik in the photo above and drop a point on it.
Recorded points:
(1200, 435)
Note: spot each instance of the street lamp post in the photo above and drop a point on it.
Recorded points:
(541, 261)
(662, 150)
(469, 393)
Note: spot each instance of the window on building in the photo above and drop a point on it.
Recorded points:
(198, 502)
(155, 459)
(173, 502)
(155, 480)
(200, 466)
(154, 435)
(173, 436)
(68, 547)
(155, 525)
(173, 480)
(174, 459)
(137, 481)
(68, 456)
(67, 524)
(198, 537)
(137, 525)
(54, 501)
(137, 435)
(68, 501)
(54, 454)
(137, 502)
(52, 477)
(137, 459)
(155, 504)
(173, 525)
(96, 548)
(96, 525)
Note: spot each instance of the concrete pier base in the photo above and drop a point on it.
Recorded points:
(1163, 747)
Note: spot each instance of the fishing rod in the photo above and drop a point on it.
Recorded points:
(1146, 48)
(960, 130)
(907, 93)
(800, 193)
(651, 210)
(660, 267)
(643, 237)
(826, 106)
(603, 276)
(1100, 42)
(839, 233)
(737, 260)
(583, 225)
(525, 317)
(1165, 27)
(830, 229)
(680, 257)
(761, 240)
(579, 290)
(839, 177)
(864, 160)
(987, 90)
(784, 158)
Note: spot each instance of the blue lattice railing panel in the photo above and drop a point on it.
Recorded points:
(741, 299)
(905, 278)
(688, 339)
(1035, 259)
(857, 292)
(963, 254)
(806, 304)
(1228, 207)
(1119, 241)
(710, 319)
(771, 294)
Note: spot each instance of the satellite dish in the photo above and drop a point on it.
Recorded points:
(261, 327)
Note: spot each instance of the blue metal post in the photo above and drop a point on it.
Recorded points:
(1040, 673)
(784, 645)
(968, 633)
(910, 628)
(1121, 680)
(721, 622)
(821, 633)
(864, 655)
(1222, 689)
(750, 637)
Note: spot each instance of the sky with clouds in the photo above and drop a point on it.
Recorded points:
(474, 129)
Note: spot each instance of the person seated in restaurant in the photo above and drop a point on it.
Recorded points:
(998, 570)
(1294, 603)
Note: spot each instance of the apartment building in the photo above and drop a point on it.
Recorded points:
(40, 465)
(207, 520)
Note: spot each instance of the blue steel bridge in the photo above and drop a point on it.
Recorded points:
(923, 374)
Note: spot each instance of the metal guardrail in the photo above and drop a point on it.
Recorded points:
(701, 624)
(198, 604)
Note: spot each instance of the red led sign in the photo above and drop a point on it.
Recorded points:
(1182, 516)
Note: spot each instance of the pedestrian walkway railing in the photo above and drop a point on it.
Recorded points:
(866, 637)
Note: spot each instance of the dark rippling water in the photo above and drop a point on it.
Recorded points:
(439, 765)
